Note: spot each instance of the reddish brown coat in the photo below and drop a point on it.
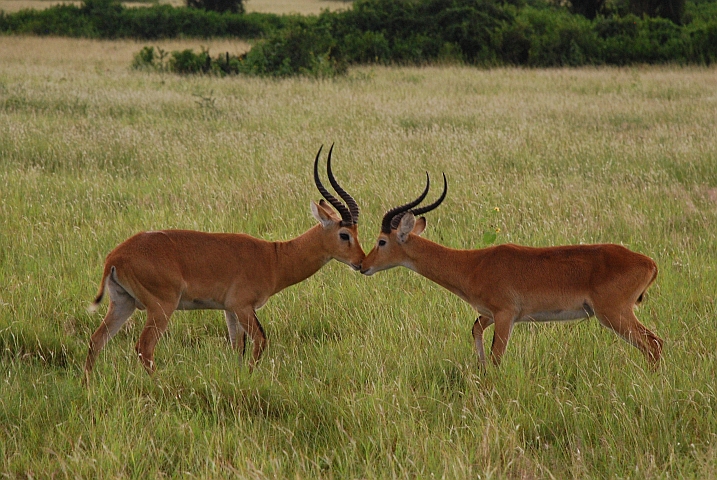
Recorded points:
(506, 284)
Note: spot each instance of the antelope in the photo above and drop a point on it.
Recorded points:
(168, 270)
(509, 284)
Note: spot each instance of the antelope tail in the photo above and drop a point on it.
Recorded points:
(92, 308)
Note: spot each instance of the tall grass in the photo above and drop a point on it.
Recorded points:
(363, 377)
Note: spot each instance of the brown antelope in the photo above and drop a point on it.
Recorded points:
(509, 283)
(170, 270)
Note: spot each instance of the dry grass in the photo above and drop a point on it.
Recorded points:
(303, 7)
(59, 54)
(11, 6)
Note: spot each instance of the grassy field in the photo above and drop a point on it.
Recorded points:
(363, 377)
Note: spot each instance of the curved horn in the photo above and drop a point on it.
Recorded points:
(387, 223)
(343, 211)
(350, 202)
(428, 208)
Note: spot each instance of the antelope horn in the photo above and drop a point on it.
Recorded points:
(343, 211)
(396, 213)
(350, 202)
(428, 208)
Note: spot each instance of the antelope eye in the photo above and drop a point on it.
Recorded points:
(344, 237)
(381, 243)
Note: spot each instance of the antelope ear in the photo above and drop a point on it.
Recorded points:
(420, 226)
(405, 227)
(323, 214)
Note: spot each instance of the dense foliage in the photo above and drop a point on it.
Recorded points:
(109, 19)
(478, 32)
(281, 61)
(233, 6)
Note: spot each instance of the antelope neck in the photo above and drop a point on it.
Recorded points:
(442, 265)
(299, 258)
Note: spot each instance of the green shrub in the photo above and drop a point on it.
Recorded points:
(513, 42)
(187, 61)
(299, 49)
(469, 24)
(418, 31)
(658, 41)
(704, 44)
(146, 59)
(560, 39)
(62, 20)
(110, 19)
(587, 8)
(669, 9)
(367, 47)
(618, 38)
(221, 6)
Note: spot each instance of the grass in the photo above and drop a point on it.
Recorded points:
(280, 7)
(363, 377)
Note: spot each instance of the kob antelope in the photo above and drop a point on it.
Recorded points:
(508, 283)
(169, 270)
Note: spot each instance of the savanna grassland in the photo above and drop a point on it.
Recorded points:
(363, 377)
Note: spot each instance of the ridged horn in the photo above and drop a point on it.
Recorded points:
(428, 208)
(398, 212)
(350, 202)
(340, 207)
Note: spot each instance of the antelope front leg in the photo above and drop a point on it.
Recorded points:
(501, 334)
(250, 323)
(479, 327)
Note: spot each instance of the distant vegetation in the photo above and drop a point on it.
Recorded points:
(476, 32)
(221, 6)
(109, 19)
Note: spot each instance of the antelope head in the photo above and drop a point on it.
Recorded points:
(398, 226)
(341, 230)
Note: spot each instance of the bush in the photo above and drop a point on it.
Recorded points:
(418, 31)
(618, 38)
(367, 47)
(62, 20)
(704, 44)
(186, 62)
(513, 42)
(587, 8)
(262, 62)
(147, 59)
(659, 40)
(299, 49)
(221, 6)
(110, 19)
(669, 9)
(104, 15)
(559, 39)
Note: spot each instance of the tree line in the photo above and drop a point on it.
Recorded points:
(532, 33)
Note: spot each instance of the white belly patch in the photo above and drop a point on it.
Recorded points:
(199, 304)
(559, 315)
